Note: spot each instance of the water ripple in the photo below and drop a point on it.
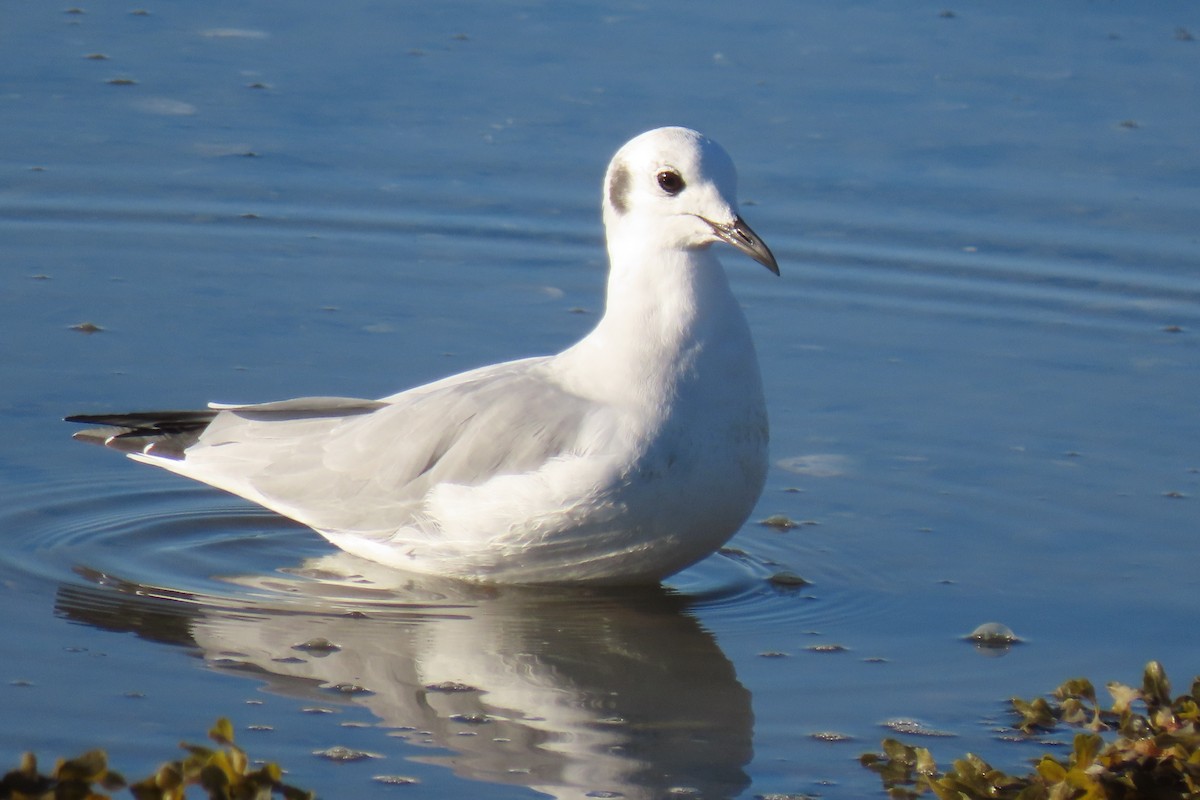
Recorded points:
(178, 537)
(196, 546)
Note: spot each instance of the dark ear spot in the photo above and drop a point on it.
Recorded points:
(618, 189)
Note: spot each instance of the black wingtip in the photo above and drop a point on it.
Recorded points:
(149, 422)
(161, 433)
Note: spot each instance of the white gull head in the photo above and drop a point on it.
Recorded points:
(680, 187)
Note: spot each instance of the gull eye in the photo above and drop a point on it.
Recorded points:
(670, 181)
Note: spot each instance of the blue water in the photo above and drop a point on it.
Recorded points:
(981, 366)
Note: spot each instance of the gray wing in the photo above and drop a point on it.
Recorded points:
(370, 470)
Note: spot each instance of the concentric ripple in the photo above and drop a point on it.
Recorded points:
(184, 537)
(144, 536)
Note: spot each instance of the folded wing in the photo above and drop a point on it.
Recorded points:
(369, 466)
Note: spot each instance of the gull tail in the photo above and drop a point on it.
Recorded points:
(166, 434)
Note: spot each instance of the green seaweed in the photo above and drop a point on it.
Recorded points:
(1154, 751)
(222, 773)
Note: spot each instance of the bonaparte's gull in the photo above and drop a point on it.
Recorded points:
(623, 459)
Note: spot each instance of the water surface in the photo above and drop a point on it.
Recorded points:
(980, 361)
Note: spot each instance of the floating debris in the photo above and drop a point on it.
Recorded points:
(831, 736)
(402, 731)
(449, 686)
(345, 755)
(773, 654)
(782, 523)
(86, 327)
(913, 727)
(288, 660)
(471, 719)
(346, 688)
(396, 780)
(826, 648)
(121, 82)
(318, 644)
(787, 579)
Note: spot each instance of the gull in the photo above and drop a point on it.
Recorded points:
(632, 454)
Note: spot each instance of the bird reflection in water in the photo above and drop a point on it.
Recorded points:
(566, 691)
